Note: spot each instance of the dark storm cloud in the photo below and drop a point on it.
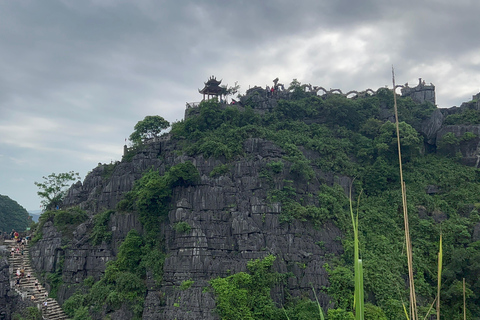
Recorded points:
(75, 76)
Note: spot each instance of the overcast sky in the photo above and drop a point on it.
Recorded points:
(76, 76)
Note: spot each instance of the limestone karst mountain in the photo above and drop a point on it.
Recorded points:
(268, 176)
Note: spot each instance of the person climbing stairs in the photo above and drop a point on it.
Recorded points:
(24, 282)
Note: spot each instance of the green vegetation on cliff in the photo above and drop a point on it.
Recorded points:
(467, 114)
(12, 215)
(351, 137)
(246, 295)
(124, 282)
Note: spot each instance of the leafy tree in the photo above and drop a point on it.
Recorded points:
(148, 128)
(81, 313)
(247, 295)
(54, 187)
(231, 90)
(339, 314)
(129, 254)
(297, 90)
(386, 142)
(466, 117)
(29, 313)
(373, 312)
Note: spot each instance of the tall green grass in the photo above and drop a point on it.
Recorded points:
(408, 243)
(439, 276)
(359, 300)
(320, 311)
(464, 304)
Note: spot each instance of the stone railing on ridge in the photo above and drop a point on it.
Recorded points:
(281, 91)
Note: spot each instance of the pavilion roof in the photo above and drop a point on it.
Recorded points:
(212, 81)
(212, 87)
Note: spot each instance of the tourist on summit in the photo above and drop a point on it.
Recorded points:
(12, 235)
(32, 297)
(12, 252)
(18, 273)
(28, 274)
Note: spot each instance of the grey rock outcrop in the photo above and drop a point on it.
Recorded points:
(46, 252)
(231, 223)
(431, 126)
(421, 93)
(79, 259)
(6, 298)
(470, 148)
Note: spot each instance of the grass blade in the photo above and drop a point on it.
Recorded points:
(439, 281)
(430, 309)
(408, 243)
(464, 304)
(320, 311)
(405, 310)
(286, 315)
(358, 299)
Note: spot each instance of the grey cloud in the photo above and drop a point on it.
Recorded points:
(97, 67)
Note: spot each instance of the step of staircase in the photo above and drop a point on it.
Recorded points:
(27, 288)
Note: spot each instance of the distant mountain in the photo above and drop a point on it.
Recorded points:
(12, 215)
(35, 214)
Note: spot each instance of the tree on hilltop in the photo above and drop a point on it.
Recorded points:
(148, 128)
(54, 188)
(232, 90)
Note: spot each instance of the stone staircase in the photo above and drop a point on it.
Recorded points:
(27, 288)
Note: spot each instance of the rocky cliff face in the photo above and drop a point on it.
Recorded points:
(231, 223)
(77, 257)
(434, 130)
(5, 297)
(10, 303)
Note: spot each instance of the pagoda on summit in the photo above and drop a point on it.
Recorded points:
(212, 88)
